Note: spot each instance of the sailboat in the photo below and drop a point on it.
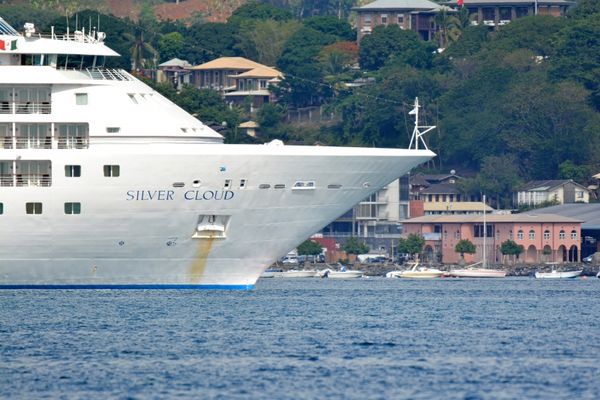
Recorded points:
(483, 272)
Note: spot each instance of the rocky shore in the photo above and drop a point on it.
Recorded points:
(380, 269)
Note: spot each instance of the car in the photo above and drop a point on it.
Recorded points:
(588, 259)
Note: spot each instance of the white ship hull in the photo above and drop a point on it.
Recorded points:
(137, 230)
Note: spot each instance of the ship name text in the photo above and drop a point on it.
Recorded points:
(169, 195)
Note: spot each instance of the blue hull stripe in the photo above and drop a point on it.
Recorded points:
(121, 287)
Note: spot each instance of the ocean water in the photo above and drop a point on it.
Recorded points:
(307, 339)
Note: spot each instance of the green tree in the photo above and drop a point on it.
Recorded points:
(390, 43)
(170, 46)
(510, 248)
(449, 27)
(412, 244)
(309, 248)
(264, 40)
(354, 246)
(269, 115)
(579, 173)
(464, 246)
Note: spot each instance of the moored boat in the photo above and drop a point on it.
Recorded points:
(477, 273)
(558, 274)
(416, 272)
(297, 273)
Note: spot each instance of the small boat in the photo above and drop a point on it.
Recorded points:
(477, 273)
(298, 273)
(342, 273)
(271, 273)
(558, 274)
(416, 272)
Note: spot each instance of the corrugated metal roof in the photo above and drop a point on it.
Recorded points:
(512, 2)
(399, 5)
(493, 218)
(588, 213)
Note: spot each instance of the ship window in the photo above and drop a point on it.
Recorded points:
(227, 183)
(242, 183)
(184, 130)
(72, 136)
(279, 186)
(72, 208)
(132, 97)
(112, 171)
(196, 183)
(178, 184)
(1, 208)
(264, 186)
(33, 208)
(113, 129)
(72, 171)
(334, 186)
(81, 99)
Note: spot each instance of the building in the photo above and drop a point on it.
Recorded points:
(238, 79)
(495, 13)
(545, 237)
(417, 15)
(589, 214)
(563, 191)
(439, 194)
(177, 72)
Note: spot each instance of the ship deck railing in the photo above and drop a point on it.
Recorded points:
(24, 180)
(29, 107)
(109, 74)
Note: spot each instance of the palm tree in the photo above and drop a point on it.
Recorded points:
(143, 55)
(449, 27)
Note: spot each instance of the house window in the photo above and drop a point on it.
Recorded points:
(573, 234)
(81, 99)
(579, 194)
(367, 19)
(72, 208)
(457, 235)
(546, 235)
(33, 208)
(520, 234)
(532, 234)
(561, 234)
(112, 171)
(384, 19)
(445, 235)
(72, 171)
(510, 234)
(400, 19)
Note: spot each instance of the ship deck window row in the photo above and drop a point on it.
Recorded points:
(25, 173)
(25, 100)
(16, 135)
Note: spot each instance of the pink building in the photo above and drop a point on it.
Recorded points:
(545, 237)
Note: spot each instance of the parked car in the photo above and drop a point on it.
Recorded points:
(588, 259)
(289, 260)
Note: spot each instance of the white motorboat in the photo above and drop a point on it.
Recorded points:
(271, 273)
(341, 273)
(558, 274)
(298, 273)
(348, 274)
(477, 273)
(105, 183)
(416, 272)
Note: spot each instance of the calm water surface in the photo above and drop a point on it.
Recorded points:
(306, 339)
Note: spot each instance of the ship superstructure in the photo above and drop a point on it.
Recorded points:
(106, 183)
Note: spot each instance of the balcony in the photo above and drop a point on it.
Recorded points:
(35, 180)
(29, 107)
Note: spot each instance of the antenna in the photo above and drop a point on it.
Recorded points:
(417, 134)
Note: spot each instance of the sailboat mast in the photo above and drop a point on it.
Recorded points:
(484, 233)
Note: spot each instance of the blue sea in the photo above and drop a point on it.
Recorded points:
(511, 338)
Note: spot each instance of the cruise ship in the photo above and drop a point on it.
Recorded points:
(104, 183)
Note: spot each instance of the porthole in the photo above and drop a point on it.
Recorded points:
(264, 186)
(279, 186)
(196, 183)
